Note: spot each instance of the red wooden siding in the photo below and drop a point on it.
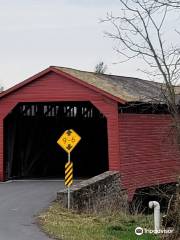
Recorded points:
(139, 145)
(147, 155)
(54, 87)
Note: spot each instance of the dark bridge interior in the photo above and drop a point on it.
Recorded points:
(31, 132)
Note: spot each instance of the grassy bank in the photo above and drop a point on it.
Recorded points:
(61, 224)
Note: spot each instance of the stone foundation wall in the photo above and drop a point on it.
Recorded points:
(100, 193)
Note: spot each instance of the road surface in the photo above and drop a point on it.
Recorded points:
(20, 201)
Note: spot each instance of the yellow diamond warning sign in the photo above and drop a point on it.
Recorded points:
(68, 140)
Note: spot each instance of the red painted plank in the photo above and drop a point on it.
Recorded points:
(147, 155)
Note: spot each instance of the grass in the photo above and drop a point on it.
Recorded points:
(62, 224)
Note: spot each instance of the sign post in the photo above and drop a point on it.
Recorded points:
(68, 177)
(68, 140)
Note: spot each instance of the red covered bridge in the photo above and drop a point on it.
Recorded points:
(121, 128)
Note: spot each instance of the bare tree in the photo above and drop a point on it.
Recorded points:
(100, 68)
(1, 89)
(140, 31)
(170, 3)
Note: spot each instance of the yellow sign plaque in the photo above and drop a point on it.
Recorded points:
(68, 140)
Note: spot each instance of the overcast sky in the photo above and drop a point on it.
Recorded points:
(38, 33)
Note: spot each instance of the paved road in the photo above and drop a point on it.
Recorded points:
(19, 202)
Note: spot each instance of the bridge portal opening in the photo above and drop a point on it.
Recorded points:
(31, 131)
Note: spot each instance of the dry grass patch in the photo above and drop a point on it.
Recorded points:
(62, 224)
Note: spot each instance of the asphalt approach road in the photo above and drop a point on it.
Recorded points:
(20, 201)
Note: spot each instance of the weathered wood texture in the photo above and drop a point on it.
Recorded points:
(147, 154)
